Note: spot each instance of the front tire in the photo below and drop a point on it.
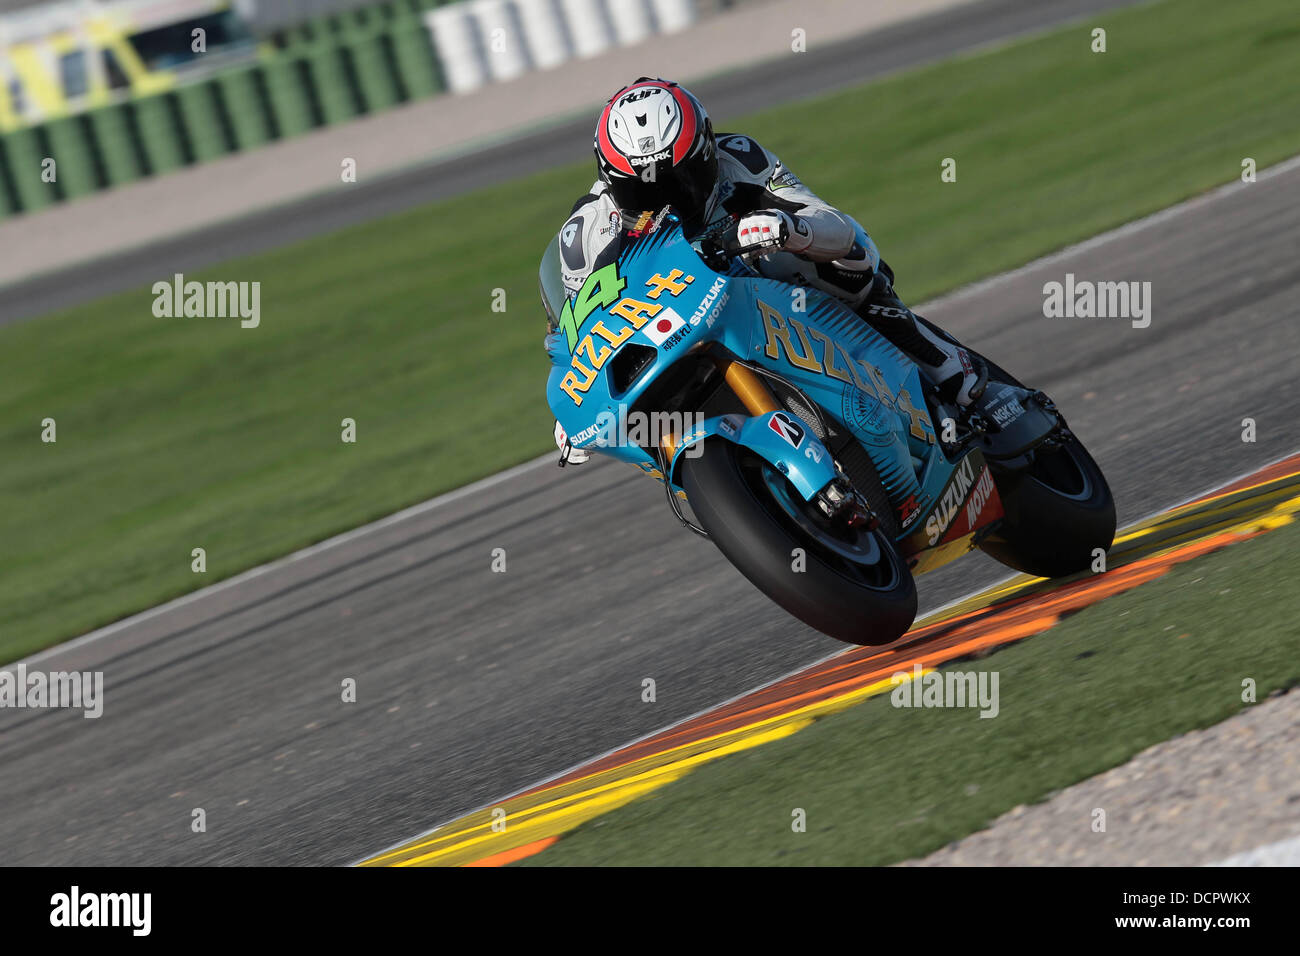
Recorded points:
(853, 585)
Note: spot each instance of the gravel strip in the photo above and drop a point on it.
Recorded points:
(1196, 799)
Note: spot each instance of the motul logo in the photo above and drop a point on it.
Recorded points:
(979, 498)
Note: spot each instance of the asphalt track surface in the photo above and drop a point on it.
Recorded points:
(820, 70)
(1009, 611)
(473, 684)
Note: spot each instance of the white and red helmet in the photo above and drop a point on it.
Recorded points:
(655, 147)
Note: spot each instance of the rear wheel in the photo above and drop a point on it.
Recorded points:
(847, 582)
(1059, 510)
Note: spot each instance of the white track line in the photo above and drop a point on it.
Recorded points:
(1137, 225)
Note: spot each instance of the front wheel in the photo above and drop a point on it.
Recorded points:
(1059, 511)
(849, 583)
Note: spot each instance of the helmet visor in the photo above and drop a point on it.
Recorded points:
(685, 187)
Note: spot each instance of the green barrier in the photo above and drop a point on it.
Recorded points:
(298, 40)
(158, 133)
(238, 90)
(347, 30)
(333, 91)
(204, 123)
(413, 55)
(375, 73)
(74, 155)
(9, 201)
(290, 104)
(328, 70)
(25, 158)
(117, 154)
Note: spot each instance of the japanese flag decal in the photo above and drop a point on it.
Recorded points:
(663, 325)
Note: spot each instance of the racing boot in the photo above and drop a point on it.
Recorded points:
(959, 376)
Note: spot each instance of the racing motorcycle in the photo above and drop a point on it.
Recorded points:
(812, 451)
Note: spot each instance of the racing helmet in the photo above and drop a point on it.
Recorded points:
(654, 147)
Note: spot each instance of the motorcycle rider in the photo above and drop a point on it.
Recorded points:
(655, 146)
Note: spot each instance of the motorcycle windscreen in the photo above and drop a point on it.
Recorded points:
(551, 285)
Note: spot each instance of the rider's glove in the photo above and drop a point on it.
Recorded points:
(568, 454)
(773, 229)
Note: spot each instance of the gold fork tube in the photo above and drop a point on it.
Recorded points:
(750, 389)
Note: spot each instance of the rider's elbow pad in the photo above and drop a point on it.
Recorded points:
(832, 234)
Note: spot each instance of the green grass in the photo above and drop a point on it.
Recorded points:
(175, 434)
(881, 784)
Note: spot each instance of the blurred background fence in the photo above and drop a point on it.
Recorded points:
(116, 90)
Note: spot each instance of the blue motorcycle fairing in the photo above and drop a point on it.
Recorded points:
(659, 300)
(780, 438)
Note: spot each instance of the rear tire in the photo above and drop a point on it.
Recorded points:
(854, 586)
(1058, 511)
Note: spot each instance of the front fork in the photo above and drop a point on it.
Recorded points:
(838, 499)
